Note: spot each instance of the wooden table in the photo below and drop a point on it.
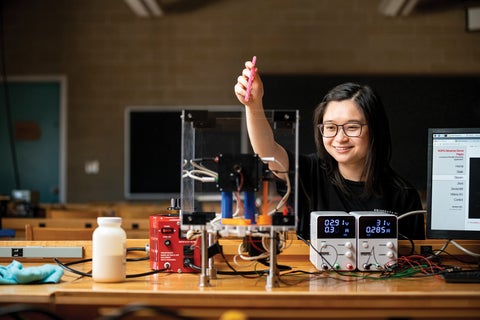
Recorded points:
(298, 296)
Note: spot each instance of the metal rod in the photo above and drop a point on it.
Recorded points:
(272, 279)
(204, 277)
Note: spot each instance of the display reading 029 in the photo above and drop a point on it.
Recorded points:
(377, 227)
(335, 227)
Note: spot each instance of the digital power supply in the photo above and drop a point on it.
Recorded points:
(333, 241)
(377, 242)
(169, 249)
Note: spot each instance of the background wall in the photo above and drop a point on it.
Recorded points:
(193, 55)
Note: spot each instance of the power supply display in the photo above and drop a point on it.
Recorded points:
(333, 240)
(377, 227)
(336, 227)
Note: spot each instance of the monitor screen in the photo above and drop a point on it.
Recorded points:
(153, 148)
(453, 185)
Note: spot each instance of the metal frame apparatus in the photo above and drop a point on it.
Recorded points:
(219, 169)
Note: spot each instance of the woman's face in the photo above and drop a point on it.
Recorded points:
(349, 152)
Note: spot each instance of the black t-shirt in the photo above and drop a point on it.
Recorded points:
(317, 193)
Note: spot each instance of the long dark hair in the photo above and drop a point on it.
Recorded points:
(377, 164)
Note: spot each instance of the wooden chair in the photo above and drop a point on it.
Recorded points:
(45, 233)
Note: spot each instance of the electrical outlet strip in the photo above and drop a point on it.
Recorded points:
(40, 252)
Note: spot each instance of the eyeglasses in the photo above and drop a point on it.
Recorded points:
(330, 130)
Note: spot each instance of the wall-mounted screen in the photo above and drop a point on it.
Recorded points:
(153, 148)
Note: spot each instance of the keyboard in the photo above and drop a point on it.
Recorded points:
(463, 276)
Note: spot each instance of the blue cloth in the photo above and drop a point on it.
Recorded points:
(15, 273)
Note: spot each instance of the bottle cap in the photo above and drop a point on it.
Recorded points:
(106, 220)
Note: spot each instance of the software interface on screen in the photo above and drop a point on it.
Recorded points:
(455, 203)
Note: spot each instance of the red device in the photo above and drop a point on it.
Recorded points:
(169, 249)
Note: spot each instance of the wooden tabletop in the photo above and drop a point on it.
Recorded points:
(299, 295)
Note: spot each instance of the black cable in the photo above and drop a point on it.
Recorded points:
(137, 275)
(132, 309)
(234, 272)
(7, 101)
(412, 244)
(147, 257)
(136, 249)
(308, 243)
(296, 272)
(16, 310)
(66, 266)
(455, 257)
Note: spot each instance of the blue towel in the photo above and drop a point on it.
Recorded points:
(15, 273)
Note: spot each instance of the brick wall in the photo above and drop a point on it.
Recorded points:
(113, 59)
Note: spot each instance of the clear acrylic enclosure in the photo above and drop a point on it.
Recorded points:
(225, 186)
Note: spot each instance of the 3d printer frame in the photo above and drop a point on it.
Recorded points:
(220, 169)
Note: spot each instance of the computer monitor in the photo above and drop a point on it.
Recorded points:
(453, 185)
(153, 147)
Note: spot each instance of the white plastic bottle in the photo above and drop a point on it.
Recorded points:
(109, 250)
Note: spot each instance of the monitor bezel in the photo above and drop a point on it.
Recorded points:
(442, 233)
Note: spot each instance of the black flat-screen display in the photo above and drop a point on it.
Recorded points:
(153, 147)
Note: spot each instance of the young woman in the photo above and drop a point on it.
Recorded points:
(351, 169)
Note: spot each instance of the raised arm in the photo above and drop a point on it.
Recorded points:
(259, 130)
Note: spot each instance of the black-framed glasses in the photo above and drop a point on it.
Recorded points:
(351, 129)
